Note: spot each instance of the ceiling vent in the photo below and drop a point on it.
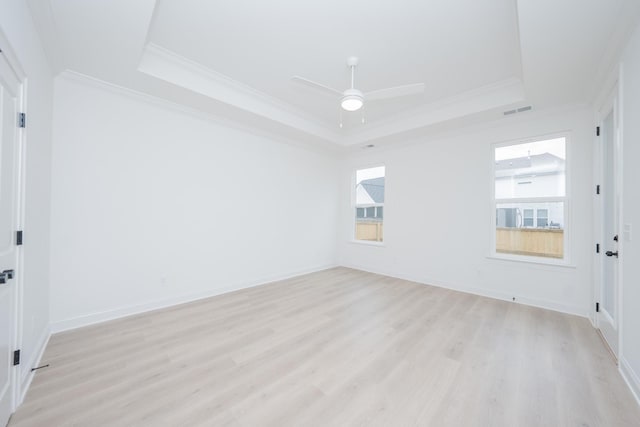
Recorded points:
(517, 110)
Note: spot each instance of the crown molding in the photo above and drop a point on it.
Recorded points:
(488, 97)
(173, 68)
(47, 29)
(482, 126)
(83, 79)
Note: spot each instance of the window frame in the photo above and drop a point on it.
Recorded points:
(354, 206)
(566, 199)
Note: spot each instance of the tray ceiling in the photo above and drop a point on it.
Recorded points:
(234, 60)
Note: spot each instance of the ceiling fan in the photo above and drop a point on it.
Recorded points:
(353, 99)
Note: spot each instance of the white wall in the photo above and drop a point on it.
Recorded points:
(18, 28)
(153, 206)
(438, 213)
(630, 251)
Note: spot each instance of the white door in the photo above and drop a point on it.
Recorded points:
(9, 161)
(608, 315)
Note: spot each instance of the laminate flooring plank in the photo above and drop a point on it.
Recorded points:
(340, 347)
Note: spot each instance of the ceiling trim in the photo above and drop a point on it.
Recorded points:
(499, 94)
(173, 68)
(83, 79)
(516, 122)
(292, 121)
(47, 29)
(12, 61)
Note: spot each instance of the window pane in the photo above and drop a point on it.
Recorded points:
(506, 217)
(527, 218)
(518, 236)
(534, 169)
(369, 200)
(370, 186)
(371, 212)
(543, 218)
(542, 222)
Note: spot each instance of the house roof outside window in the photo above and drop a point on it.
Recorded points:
(370, 191)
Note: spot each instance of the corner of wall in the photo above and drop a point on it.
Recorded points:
(631, 378)
(27, 373)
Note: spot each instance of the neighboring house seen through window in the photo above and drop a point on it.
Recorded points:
(369, 204)
(530, 198)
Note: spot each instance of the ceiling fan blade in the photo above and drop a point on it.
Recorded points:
(393, 92)
(317, 86)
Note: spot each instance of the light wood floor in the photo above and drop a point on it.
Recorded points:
(335, 348)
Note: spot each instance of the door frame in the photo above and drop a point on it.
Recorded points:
(18, 309)
(611, 99)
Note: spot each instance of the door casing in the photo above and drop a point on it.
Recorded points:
(611, 333)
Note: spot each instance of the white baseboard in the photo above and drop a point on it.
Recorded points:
(631, 378)
(27, 374)
(533, 302)
(104, 316)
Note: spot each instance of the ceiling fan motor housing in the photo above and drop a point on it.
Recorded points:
(352, 100)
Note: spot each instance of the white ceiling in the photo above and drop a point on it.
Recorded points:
(446, 44)
(235, 59)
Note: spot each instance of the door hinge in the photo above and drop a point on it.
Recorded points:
(597, 307)
(598, 189)
(19, 238)
(597, 130)
(597, 248)
(16, 357)
(22, 120)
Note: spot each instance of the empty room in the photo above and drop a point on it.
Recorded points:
(319, 213)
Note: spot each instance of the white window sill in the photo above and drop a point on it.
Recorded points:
(532, 260)
(368, 243)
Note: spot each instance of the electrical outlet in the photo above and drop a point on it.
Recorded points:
(626, 232)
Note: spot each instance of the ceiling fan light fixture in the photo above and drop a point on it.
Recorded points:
(352, 100)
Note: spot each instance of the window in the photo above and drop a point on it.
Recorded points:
(530, 198)
(369, 204)
(542, 219)
(527, 220)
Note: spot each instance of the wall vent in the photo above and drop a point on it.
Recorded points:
(518, 110)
